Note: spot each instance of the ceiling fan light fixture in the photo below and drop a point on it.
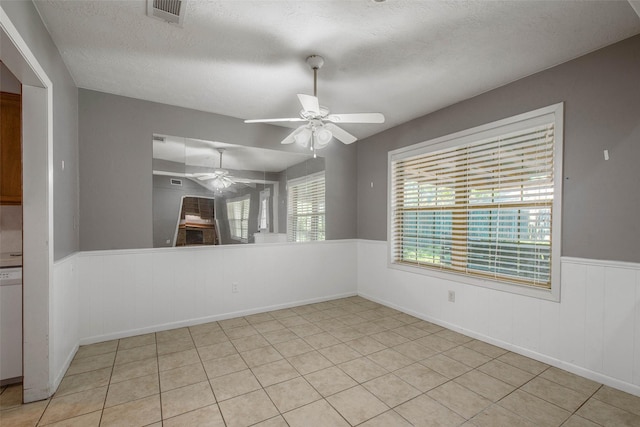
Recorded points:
(302, 138)
(219, 179)
(220, 184)
(322, 138)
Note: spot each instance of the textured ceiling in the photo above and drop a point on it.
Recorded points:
(402, 58)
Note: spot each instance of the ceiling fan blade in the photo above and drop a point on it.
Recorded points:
(309, 103)
(200, 176)
(290, 139)
(340, 133)
(288, 119)
(243, 181)
(356, 118)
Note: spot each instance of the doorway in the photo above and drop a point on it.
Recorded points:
(10, 228)
(37, 137)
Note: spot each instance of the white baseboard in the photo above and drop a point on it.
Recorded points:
(578, 370)
(63, 370)
(207, 319)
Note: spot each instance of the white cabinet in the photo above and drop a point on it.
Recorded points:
(270, 237)
(10, 330)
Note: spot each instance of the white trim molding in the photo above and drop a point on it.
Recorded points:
(130, 292)
(37, 155)
(594, 331)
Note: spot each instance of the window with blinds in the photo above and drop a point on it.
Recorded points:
(306, 208)
(238, 217)
(263, 215)
(481, 203)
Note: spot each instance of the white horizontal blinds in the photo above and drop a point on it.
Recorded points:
(238, 215)
(483, 208)
(306, 209)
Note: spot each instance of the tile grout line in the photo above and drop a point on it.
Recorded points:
(217, 403)
(325, 398)
(281, 414)
(45, 409)
(155, 339)
(300, 375)
(449, 380)
(113, 367)
(519, 388)
(592, 396)
(498, 379)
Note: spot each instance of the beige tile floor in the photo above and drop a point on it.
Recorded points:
(346, 362)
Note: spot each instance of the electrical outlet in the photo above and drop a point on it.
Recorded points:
(452, 296)
(234, 287)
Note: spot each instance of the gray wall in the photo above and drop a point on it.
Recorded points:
(601, 199)
(116, 155)
(65, 124)
(8, 82)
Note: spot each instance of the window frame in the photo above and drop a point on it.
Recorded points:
(300, 181)
(553, 113)
(265, 202)
(241, 199)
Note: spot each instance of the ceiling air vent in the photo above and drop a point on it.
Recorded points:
(171, 11)
(176, 182)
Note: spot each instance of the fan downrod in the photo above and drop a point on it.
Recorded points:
(315, 62)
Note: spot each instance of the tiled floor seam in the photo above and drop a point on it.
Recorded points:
(274, 403)
(324, 398)
(542, 398)
(520, 389)
(612, 404)
(42, 414)
(155, 338)
(104, 403)
(336, 409)
(208, 381)
(592, 396)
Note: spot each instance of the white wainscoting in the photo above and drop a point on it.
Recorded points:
(130, 292)
(594, 330)
(64, 318)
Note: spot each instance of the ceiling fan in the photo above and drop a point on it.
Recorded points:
(320, 127)
(219, 179)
